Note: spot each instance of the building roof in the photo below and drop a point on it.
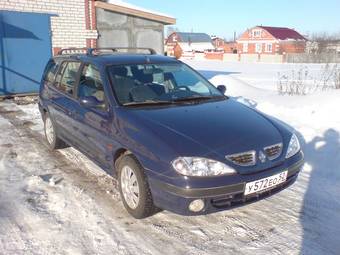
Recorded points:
(129, 9)
(193, 37)
(283, 33)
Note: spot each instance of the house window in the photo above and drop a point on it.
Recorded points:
(245, 47)
(258, 47)
(269, 47)
(256, 33)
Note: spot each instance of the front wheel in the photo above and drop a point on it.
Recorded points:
(134, 188)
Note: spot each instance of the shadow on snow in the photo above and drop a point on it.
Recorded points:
(320, 211)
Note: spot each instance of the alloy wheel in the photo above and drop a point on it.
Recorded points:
(49, 130)
(130, 187)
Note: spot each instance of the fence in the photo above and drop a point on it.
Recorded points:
(252, 58)
(270, 58)
(333, 57)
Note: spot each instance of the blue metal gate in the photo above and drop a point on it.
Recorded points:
(25, 47)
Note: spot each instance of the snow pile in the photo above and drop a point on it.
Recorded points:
(266, 75)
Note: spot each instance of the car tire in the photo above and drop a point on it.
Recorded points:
(134, 188)
(53, 141)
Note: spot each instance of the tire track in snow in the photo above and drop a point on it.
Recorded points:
(78, 178)
(121, 231)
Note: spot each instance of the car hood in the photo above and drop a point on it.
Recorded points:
(213, 129)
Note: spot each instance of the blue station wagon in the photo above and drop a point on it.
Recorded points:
(172, 139)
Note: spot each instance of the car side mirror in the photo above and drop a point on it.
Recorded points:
(91, 102)
(222, 88)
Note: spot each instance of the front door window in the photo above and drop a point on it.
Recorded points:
(69, 77)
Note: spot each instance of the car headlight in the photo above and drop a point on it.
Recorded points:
(193, 166)
(293, 147)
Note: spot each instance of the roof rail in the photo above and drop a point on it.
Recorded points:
(70, 51)
(90, 51)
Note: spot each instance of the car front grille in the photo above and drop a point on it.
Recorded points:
(243, 159)
(249, 158)
(273, 151)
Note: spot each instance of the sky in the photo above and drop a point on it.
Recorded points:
(223, 17)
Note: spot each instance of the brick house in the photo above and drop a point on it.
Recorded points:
(271, 40)
(32, 30)
(230, 47)
(223, 45)
(74, 23)
(217, 42)
(188, 42)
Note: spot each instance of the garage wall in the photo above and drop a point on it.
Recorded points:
(25, 47)
(73, 24)
(117, 29)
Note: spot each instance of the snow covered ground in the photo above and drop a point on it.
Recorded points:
(265, 75)
(61, 203)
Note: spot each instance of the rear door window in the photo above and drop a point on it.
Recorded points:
(68, 77)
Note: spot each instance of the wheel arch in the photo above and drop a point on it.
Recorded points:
(119, 153)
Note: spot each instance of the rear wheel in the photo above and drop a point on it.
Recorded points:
(51, 136)
(134, 188)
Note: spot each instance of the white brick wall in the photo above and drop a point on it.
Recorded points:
(68, 27)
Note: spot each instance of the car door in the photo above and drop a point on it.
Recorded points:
(63, 104)
(95, 134)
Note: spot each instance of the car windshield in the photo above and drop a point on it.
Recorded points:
(149, 84)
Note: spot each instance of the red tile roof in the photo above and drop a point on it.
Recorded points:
(283, 33)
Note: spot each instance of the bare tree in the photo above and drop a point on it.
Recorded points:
(301, 82)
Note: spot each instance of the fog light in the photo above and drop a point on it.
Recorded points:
(196, 205)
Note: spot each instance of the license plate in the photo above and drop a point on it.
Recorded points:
(265, 183)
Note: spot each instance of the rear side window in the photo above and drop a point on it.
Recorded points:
(50, 71)
(60, 73)
(68, 77)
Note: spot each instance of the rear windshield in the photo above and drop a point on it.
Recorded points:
(158, 82)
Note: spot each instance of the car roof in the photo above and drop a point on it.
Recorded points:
(119, 58)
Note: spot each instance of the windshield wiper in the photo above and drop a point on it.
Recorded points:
(164, 102)
(148, 102)
(197, 98)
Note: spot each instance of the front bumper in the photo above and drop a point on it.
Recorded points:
(177, 199)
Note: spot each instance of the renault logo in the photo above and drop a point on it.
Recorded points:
(262, 157)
